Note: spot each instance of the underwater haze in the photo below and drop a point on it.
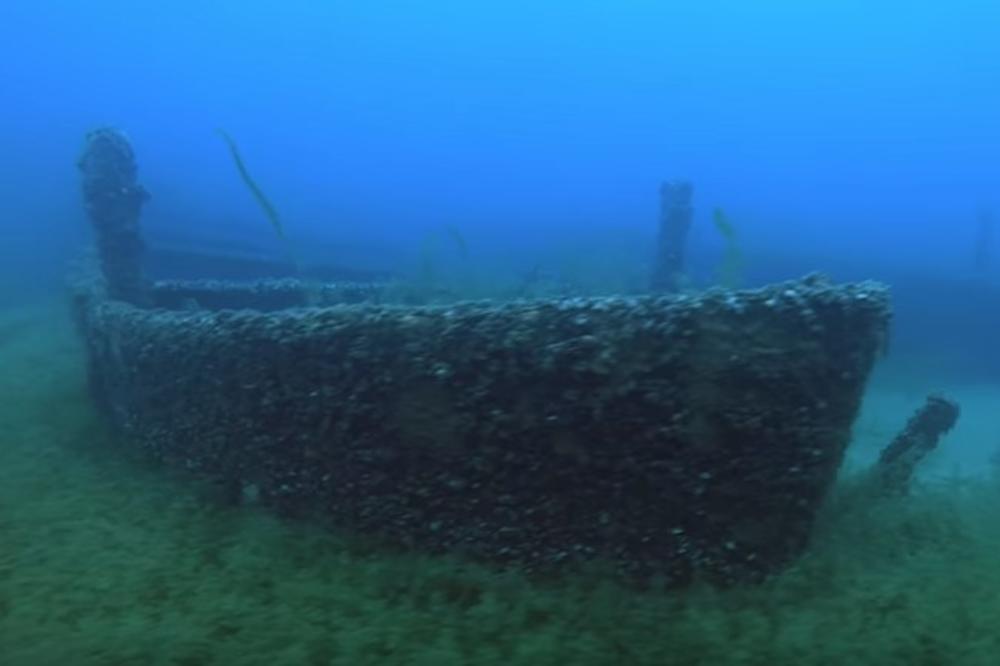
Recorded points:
(470, 150)
(838, 137)
(861, 138)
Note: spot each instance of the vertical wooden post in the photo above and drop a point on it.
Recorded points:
(675, 222)
(113, 200)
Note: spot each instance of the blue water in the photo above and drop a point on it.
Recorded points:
(830, 130)
(854, 138)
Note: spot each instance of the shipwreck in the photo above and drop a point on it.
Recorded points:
(680, 436)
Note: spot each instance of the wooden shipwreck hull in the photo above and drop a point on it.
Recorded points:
(672, 435)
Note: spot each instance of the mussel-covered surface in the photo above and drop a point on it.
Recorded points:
(673, 436)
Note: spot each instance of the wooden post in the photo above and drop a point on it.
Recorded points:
(113, 200)
(899, 460)
(675, 222)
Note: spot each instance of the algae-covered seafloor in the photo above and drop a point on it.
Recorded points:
(104, 560)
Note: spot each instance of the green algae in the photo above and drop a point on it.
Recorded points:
(106, 560)
(258, 194)
(729, 272)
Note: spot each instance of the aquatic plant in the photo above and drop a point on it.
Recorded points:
(426, 281)
(258, 194)
(430, 281)
(452, 232)
(730, 270)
